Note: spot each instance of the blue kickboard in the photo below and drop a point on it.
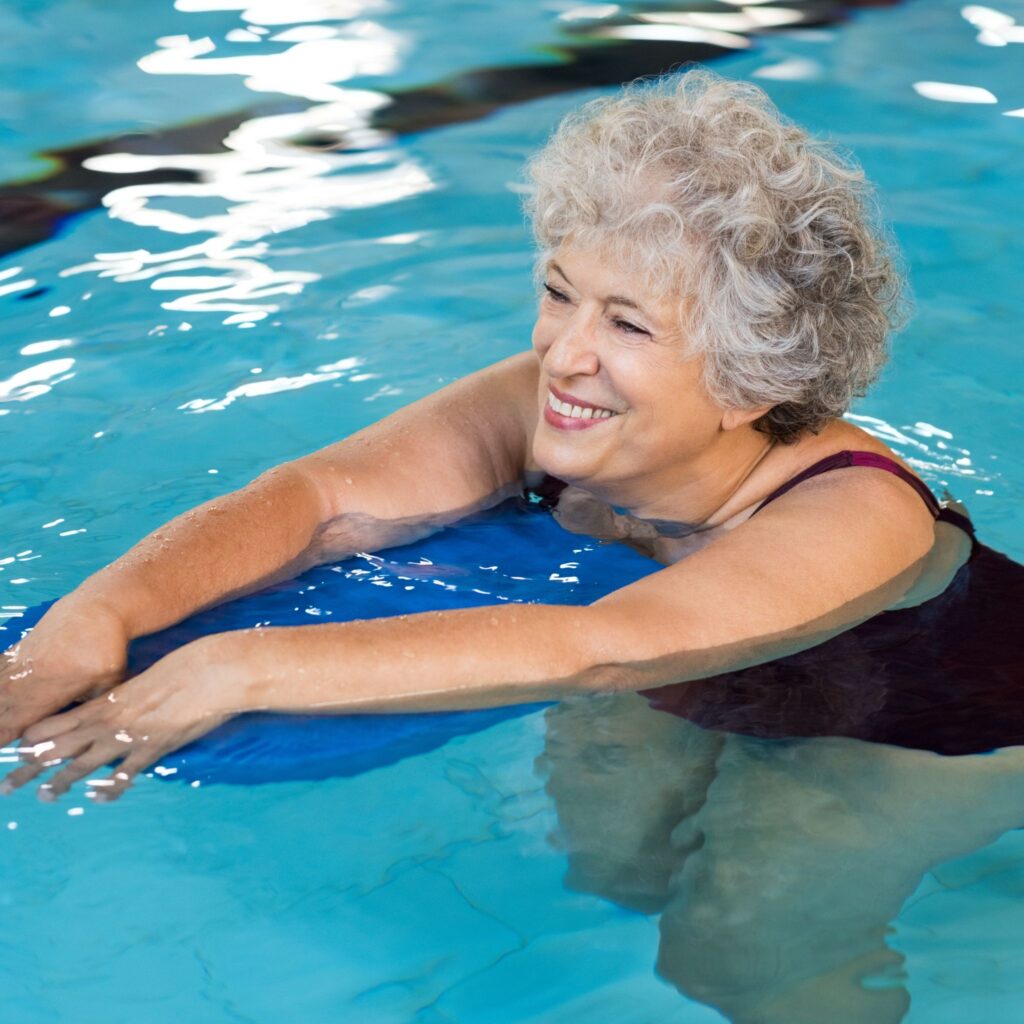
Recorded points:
(512, 553)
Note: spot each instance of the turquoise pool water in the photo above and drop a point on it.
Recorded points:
(597, 862)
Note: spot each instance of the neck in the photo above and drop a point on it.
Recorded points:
(701, 492)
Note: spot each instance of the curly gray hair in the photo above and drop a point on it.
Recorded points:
(770, 237)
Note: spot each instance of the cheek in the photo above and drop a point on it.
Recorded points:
(541, 339)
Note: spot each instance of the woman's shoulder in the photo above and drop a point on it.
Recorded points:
(844, 484)
(820, 461)
(517, 378)
(842, 435)
(500, 403)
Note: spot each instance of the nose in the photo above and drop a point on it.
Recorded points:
(573, 351)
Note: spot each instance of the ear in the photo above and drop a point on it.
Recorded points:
(733, 418)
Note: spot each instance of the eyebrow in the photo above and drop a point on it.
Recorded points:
(618, 300)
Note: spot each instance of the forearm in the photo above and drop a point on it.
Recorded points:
(224, 548)
(472, 658)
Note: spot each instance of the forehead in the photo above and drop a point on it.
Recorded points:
(604, 274)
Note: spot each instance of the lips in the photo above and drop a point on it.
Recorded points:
(567, 412)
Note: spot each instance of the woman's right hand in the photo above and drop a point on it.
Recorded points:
(78, 649)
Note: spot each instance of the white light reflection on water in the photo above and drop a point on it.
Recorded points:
(308, 69)
(242, 35)
(269, 189)
(35, 380)
(675, 33)
(38, 348)
(15, 286)
(931, 451)
(257, 388)
(589, 12)
(752, 20)
(994, 27)
(276, 12)
(262, 184)
(244, 280)
(797, 69)
(951, 92)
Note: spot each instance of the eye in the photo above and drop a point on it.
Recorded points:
(554, 294)
(627, 328)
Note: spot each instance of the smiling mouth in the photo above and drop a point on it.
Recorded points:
(580, 412)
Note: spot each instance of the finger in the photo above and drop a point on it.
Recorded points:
(26, 773)
(50, 728)
(115, 784)
(86, 763)
(42, 756)
(58, 725)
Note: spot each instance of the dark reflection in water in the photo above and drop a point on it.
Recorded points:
(599, 52)
(32, 211)
(776, 866)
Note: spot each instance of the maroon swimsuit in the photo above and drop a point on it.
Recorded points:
(871, 460)
(946, 675)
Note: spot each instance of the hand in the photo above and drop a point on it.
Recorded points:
(137, 722)
(79, 648)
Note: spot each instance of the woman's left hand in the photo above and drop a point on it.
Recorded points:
(173, 702)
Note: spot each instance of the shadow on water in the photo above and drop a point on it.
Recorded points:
(601, 51)
(776, 866)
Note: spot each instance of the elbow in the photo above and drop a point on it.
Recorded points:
(611, 677)
(621, 655)
(630, 646)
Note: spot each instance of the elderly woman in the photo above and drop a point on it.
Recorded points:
(713, 296)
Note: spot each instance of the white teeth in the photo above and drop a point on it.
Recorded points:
(578, 411)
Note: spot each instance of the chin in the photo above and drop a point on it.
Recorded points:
(561, 458)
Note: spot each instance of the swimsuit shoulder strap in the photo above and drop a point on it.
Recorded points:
(872, 460)
(845, 459)
(547, 492)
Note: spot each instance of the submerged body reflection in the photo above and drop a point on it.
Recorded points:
(776, 866)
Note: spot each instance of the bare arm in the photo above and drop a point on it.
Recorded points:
(827, 558)
(828, 555)
(447, 454)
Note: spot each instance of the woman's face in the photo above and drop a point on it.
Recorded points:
(620, 357)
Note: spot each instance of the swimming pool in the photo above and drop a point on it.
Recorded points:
(168, 347)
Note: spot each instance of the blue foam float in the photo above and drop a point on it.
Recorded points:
(512, 553)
